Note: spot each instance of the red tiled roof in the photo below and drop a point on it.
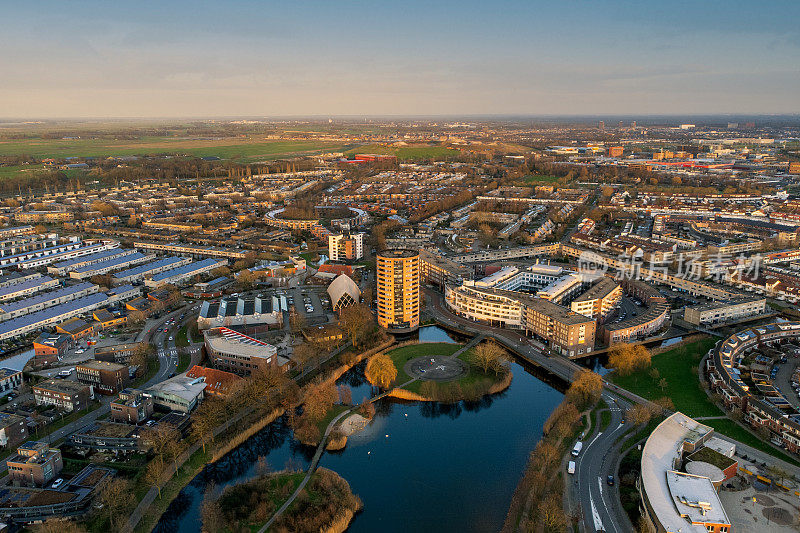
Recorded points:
(217, 381)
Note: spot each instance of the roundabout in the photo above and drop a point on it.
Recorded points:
(439, 368)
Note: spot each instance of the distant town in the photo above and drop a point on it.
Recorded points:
(263, 325)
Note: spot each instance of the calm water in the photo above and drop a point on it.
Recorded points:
(417, 467)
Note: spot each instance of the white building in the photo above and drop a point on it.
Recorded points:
(344, 247)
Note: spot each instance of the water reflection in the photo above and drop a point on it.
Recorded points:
(410, 455)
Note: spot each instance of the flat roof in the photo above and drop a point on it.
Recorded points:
(228, 341)
(695, 499)
(398, 253)
(667, 494)
(101, 365)
(600, 290)
(59, 385)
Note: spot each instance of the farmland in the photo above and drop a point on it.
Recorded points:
(243, 150)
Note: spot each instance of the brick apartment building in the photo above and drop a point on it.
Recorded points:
(13, 430)
(106, 378)
(132, 407)
(35, 463)
(67, 395)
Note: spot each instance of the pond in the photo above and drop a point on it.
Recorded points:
(418, 465)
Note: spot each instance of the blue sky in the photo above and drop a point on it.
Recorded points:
(148, 59)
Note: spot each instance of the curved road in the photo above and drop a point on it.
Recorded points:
(599, 502)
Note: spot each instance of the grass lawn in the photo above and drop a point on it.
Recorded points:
(731, 429)
(184, 358)
(683, 384)
(334, 411)
(400, 356)
(605, 419)
(182, 340)
(73, 416)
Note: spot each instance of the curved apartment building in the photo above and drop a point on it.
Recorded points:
(398, 289)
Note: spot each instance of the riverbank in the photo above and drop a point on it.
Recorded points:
(326, 504)
(150, 508)
(539, 496)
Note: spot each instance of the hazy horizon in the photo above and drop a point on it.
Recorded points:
(514, 58)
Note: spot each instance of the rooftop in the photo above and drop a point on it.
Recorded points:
(398, 253)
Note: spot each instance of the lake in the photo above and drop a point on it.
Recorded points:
(418, 465)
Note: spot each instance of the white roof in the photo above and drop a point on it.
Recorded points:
(343, 285)
(665, 491)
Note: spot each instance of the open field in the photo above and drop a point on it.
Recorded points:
(407, 153)
(683, 385)
(676, 366)
(252, 149)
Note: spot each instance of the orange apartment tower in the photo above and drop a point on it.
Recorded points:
(398, 290)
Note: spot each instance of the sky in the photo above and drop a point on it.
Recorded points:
(303, 58)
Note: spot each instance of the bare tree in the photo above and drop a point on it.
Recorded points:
(489, 356)
(354, 319)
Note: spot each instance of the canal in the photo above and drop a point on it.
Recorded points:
(417, 466)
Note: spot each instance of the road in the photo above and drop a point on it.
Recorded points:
(598, 501)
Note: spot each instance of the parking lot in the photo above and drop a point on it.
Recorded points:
(307, 302)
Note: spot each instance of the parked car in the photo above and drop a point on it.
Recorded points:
(57, 483)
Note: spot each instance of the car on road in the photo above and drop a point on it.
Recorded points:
(79, 351)
(57, 483)
(576, 450)
(171, 337)
(571, 467)
(610, 480)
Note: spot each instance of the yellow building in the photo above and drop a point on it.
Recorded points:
(398, 289)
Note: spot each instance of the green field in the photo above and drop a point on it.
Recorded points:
(407, 153)
(231, 148)
(683, 384)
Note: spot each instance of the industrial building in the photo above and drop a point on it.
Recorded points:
(240, 312)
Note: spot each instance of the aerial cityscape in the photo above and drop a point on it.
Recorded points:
(519, 267)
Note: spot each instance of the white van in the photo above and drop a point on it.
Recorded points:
(66, 373)
(577, 449)
(571, 467)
